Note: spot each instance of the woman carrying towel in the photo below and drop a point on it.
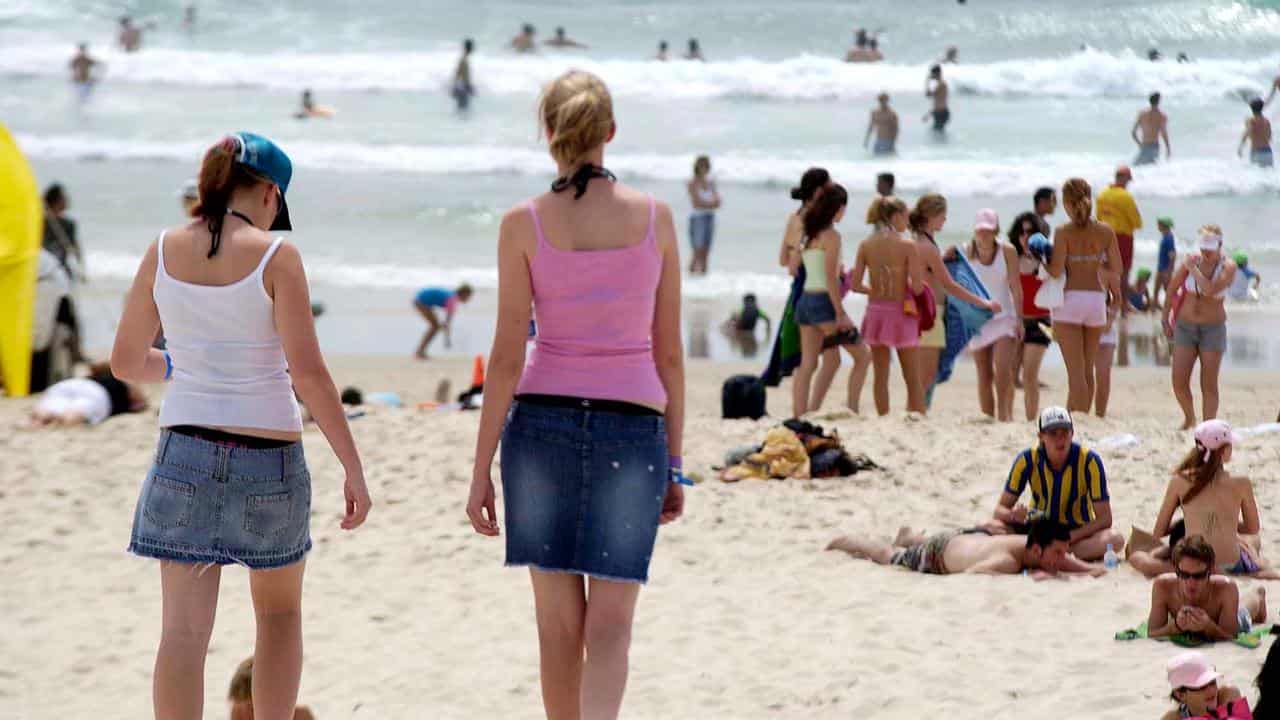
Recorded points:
(229, 483)
(995, 347)
(819, 312)
(1086, 251)
(1199, 331)
(897, 274)
(591, 428)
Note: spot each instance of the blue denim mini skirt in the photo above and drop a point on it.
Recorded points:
(583, 490)
(205, 502)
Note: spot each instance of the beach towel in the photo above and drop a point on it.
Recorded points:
(962, 320)
(1251, 639)
(785, 357)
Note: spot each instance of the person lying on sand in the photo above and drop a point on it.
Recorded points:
(87, 400)
(1193, 599)
(1044, 552)
(1068, 485)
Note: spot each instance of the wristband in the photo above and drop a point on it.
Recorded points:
(678, 478)
(675, 462)
(168, 367)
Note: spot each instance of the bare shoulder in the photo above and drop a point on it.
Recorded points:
(1223, 586)
(1165, 583)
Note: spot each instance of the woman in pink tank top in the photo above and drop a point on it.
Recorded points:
(590, 428)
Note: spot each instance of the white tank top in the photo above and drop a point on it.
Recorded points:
(229, 367)
(995, 277)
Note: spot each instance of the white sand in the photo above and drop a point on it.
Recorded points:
(413, 615)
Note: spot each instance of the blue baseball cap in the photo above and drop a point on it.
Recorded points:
(268, 160)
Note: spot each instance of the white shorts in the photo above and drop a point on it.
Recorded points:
(80, 396)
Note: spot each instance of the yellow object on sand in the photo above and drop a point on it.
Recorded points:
(21, 219)
(783, 456)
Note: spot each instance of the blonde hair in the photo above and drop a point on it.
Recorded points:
(1076, 191)
(576, 112)
(1211, 229)
(884, 208)
(927, 207)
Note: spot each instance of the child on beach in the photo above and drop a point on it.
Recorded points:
(1168, 255)
(1216, 504)
(427, 301)
(1139, 297)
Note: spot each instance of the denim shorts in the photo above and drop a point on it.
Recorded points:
(701, 227)
(815, 308)
(204, 502)
(583, 490)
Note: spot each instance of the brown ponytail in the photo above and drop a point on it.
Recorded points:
(220, 176)
(1199, 471)
(1076, 192)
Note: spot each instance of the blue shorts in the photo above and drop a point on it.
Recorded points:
(815, 308)
(884, 147)
(1262, 157)
(1147, 154)
(583, 490)
(204, 502)
(701, 227)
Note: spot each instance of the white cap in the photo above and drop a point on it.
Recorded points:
(1054, 417)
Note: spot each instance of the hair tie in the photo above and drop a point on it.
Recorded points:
(580, 179)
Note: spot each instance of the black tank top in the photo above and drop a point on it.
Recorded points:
(116, 390)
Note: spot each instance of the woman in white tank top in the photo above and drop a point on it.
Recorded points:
(229, 483)
(995, 348)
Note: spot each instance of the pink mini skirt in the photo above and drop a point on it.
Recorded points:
(1082, 307)
(885, 324)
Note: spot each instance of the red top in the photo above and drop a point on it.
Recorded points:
(1030, 285)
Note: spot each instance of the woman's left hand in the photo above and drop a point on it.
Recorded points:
(672, 504)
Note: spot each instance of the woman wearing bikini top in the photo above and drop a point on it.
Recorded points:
(1199, 328)
(1082, 250)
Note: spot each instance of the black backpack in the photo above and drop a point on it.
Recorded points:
(742, 397)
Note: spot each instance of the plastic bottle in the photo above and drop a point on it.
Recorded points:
(1110, 559)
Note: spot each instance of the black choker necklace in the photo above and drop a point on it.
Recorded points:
(579, 179)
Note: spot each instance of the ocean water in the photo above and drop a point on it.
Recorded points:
(398, 190)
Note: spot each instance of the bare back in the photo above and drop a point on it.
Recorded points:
(1150, 124)
(939, 94)
(609, 216)
(1259, 129)
(886, 256)
(1215, 512)
(1085, 252)
(999, 553)
(885, 121)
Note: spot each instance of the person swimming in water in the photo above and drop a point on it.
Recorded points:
(463, 90)
(663, 51)
(1154, 125)
(310, 109)
(695, 51)
(524, 42)
(560, 40)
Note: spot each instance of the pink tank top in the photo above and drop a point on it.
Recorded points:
(594, 310)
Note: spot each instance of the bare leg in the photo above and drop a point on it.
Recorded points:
(858, 375)
(829, 366)
(1017, 365)
(1095, 546)
(982, 362)
(606, 636)
(907, 537)
(927, 361)
(277, 653)
(1071, 342)
(863, 548)
(1003, 354)
(560, 604)
(433, 327)
(810, 348)
(1102, 391)
(190, 601)
(1148, 564)
(1255, 601)
(1184, 360)
(880, 381)
(1032, 357)
(1091, 338)
(1210, 367)
(909, 359)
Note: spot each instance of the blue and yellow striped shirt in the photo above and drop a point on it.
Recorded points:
(1067, 496)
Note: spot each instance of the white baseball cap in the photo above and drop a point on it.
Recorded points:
(1054, 417)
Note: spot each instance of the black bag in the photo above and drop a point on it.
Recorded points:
(742, 396)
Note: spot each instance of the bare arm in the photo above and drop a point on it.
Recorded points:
(132, 357)
(933, 261)
(1133, 132)
(1228, 620)
(870, 125)
(1015, 285)
(1160, 623)
(1114, 269)
(1008, 511)
(859, 270)
(1175, 281)
(668, 351)
(831, 243)
(1058, 262)
(1164, 135)
(1164, 518)
(286, 282)
(1072, 565)
(1213, 286)
(1250, 523)
(915, 269)
(1101, 521)
(1243, 139)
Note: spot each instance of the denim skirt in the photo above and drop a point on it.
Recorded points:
(206, 502)
(583, 490)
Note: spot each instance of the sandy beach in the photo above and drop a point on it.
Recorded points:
(413, 615)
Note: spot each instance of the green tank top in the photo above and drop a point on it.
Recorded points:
(815, 269)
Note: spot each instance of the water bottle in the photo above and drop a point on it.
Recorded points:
(1111, 560)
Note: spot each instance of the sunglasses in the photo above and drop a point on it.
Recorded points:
(1184, 575)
